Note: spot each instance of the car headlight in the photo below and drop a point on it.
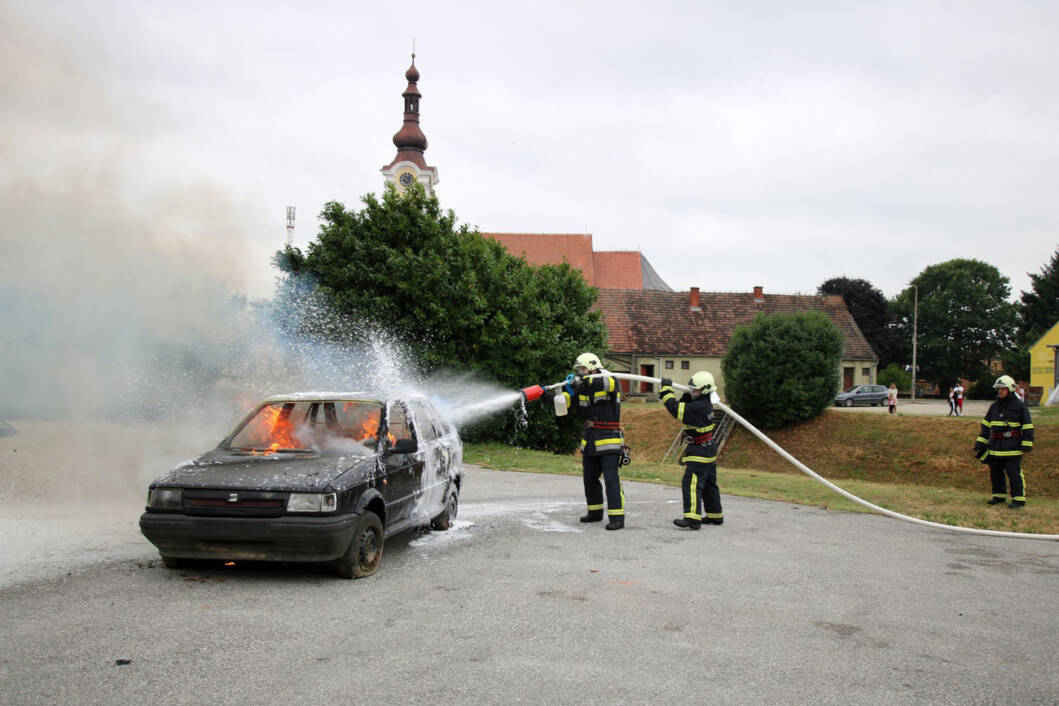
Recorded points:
(312, 502)
(165, 498)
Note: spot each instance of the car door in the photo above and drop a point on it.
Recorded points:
(437, 459)
(403, 470)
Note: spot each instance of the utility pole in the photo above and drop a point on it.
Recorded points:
(290, 224)
(915, 335)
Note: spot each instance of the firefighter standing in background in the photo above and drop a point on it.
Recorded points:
(1006, 434)
(699, 486)
(599, 400)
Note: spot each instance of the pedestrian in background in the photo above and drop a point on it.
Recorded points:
(891, 397)
(952, 403)
(957, 392)
(1006, 435)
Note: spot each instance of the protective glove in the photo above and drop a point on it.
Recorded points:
(667, 382)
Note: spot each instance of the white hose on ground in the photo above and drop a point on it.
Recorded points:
(809, 472)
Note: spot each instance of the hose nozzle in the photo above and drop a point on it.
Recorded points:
(532, 392)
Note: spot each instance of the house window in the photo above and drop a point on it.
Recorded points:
(865, 372)
(684, 364)
(669, 365)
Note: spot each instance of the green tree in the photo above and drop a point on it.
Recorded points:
(457, 300)
(894, 373)
(1038, 311)
(783, 368)
(871, 311)
(965, 319)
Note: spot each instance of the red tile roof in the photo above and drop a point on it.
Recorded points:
(551, 249)
(649, 322)
(618, 269)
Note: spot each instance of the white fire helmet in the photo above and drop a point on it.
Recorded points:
(588, 360)
(703, 381)
(1005, 381)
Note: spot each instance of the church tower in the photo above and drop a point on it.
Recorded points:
(409, 165)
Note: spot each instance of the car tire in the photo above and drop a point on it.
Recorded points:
(447, 518)
(170, 562)
(849, 403)
(364, 554)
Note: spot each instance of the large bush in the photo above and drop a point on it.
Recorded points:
(893, 373)
(458, 301)
(783, 368)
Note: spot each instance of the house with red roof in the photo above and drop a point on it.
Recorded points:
(608, 269)
(675, 334)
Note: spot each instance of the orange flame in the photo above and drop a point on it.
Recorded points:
(272, 426)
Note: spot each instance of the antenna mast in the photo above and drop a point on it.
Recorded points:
(290, 224)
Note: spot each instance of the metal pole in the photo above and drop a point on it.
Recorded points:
(915, 333)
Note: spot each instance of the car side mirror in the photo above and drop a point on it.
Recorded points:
(405, 446)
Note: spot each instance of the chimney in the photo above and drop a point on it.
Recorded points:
(693, 300)
(759, 295)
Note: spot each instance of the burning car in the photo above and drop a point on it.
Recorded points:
(311, 478)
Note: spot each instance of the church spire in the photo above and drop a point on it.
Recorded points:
(409, 165)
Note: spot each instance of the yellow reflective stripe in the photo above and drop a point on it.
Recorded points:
(714, 515)
(599, 394)
(607, 442)
(1004, 453)
(981, 438)
(1012, 425)
(1027, 426)
(608, 383)
(680, 412)
(620, 510)
(700, 459)
(1027, 442)
(583, 442)
(668, 394)
(595, 507)
(692, 503)
(701, 430)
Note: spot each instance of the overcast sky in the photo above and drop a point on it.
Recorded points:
(734, 144)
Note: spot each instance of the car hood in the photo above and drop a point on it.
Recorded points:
(300, 472)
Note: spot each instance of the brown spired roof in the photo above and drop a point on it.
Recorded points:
(551, 249)
(648, 322)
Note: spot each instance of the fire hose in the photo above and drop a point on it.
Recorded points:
(534, 392)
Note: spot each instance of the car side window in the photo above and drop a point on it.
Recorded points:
(421, 420)
(397, 422)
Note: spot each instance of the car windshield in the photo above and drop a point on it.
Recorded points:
(333, 426)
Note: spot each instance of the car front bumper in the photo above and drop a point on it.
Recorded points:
(249, 538)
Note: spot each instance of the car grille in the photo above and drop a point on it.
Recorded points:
(247, 503)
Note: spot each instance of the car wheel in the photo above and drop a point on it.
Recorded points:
(365, 551)
(849, 403)
(447, 518)
(170, 562)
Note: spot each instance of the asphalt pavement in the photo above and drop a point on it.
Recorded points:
(521, 603)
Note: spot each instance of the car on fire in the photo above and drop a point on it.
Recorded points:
(311, 478)
(862, 394)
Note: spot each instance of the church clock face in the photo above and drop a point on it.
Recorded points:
(405, 179)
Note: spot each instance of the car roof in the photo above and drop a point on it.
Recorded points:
(362, 396)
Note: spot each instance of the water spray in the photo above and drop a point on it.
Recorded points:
(534, 392)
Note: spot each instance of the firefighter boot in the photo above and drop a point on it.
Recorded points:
(617, 522)
(1017, 504)
(996, 500)
(592, 517)
(713, 520)
(687, 522)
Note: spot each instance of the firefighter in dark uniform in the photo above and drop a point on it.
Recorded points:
(699, 486)
(599, 400)
(1006, 435)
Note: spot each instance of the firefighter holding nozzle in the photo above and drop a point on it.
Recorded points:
(599, 400)
(699, 486)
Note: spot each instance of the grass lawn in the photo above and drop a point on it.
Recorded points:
(947, 505)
